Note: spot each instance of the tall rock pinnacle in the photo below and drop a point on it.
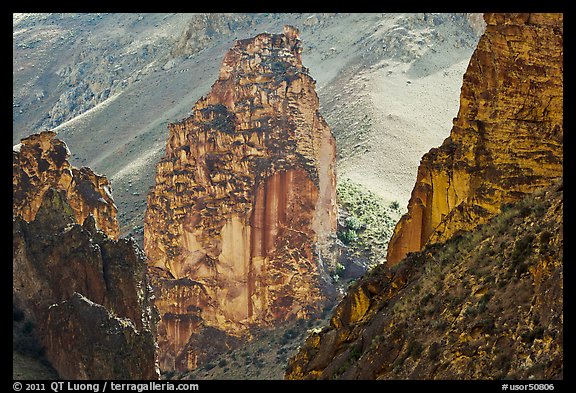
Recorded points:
(238, 224)
(506, 140)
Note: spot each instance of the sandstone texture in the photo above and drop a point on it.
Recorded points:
(239, 224)
(86, 295)
(40, 162)
(487, 304)
(506, 140)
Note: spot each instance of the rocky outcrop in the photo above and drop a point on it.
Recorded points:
(487, 304)
(238, 225)
(506, 140)
(40, 162)
(87, 295)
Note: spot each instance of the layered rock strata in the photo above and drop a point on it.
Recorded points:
(506, 140)
(40, 162)
(238, 225)
(86, 295)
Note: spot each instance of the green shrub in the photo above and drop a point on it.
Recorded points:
(426, 298)
(483, 302)
(353, 223)
(348, 236)
(434, 351)
(288, 336)
(28, 327)
(17, 314)
(355, 354)
(520, 254)
(414, 349)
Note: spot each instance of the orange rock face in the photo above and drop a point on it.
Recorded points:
(240, 220)
(506, 140)
(40, 162)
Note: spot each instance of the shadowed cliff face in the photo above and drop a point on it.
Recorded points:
(87, 295)
(40, 162)
(506, 140)
(244, 205)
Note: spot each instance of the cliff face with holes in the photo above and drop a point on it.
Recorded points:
(506, 140)
(40, 162)
(239, 223)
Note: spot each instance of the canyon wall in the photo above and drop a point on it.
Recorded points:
(506, 140)
(239, 224)
(40, 162)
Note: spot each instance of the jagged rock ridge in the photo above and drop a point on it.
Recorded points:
(40, 162)
(239, 223)
(487, 303)
(506, 140)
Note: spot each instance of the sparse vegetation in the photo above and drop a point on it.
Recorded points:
(355, 354)
(348, 236)
(475, 291)
(28, 353)
(522, 250)
(265, 357)
(369, 223)
(23, 338)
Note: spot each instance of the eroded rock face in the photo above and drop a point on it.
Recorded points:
(40, 162)
(244, 204)
(87, 294)
(506, 140)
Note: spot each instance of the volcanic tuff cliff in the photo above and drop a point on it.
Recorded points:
(239, 224)
(40, 162)
(506, 140)
(84, 295)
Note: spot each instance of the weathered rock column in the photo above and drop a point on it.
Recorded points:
(40, 162)
(244, 204)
